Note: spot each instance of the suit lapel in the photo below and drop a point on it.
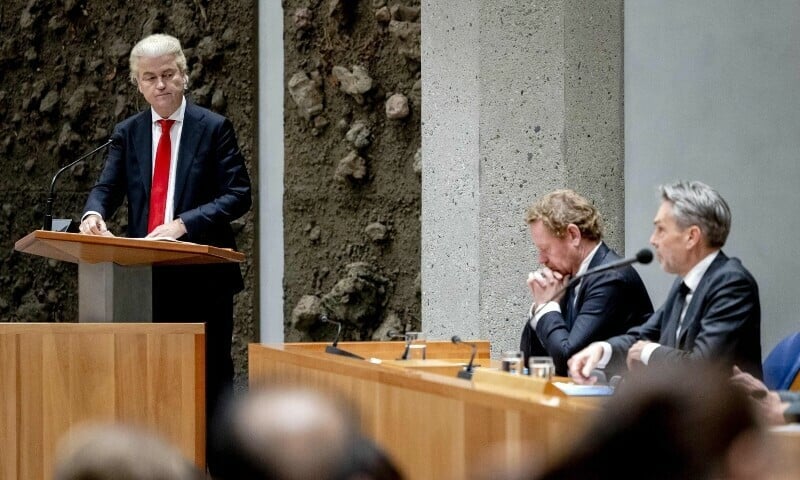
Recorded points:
(598, 259)
(192, 132)
(143, 146)
(699, 293)
(669, 325)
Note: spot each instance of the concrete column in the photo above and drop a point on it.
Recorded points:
(519, 98)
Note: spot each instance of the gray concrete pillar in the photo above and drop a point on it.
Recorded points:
(519, 98)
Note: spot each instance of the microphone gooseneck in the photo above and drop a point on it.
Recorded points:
(48, 206)
(467, 372)
(643, 256)
(324, 318)
(332, 348)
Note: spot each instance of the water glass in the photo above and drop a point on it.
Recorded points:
(541, 367)
(416, 345)
(512, 362)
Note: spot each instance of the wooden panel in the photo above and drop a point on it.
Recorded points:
(437, 426)
(55, 376)
(9, 411)
(434, 426)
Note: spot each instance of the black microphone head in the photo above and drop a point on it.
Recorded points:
(456, 339)
(644, 256)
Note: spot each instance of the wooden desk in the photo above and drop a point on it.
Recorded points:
(57, 375)
(433, 426)
(438, 426)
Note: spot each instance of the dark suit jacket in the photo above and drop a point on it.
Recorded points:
(607, 304)
(722, 322)
(212, 186)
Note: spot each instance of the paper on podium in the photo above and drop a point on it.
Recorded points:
(575, 390)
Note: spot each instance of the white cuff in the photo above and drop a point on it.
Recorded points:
(90, 212)
(607, 351)
(648, 350)
(546, 308)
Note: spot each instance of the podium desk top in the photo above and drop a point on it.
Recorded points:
(80, 248)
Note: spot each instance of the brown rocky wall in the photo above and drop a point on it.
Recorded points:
(64, 85)
(352, 167)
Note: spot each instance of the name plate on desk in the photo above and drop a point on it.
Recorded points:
(575, 390)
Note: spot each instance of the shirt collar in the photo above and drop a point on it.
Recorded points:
(692, 279)
(586, 261)
(177, 115)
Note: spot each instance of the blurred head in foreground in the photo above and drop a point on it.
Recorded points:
(117, 452)
(676, 423)
(293, 434)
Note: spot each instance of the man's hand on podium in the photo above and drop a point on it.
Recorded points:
(174, 230)
(93, 224)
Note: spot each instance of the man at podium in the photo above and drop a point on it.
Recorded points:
(180, 167)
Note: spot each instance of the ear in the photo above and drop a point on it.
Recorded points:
(693, 236)
(573, 234)
(139, 86)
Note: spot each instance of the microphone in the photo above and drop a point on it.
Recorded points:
(48, 206)
(643, 256)
(466, 374)
(407, 350)
(332, 348)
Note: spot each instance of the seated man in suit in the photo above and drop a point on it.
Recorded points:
(712, 311)
(567, 231)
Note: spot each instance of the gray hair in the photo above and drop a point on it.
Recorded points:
(154, 46)
(695, 203)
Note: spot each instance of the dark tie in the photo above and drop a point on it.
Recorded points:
(683, 290)
(158, 191)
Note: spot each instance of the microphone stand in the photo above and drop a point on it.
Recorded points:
(48, 206)
(466, 374)
(332, 348)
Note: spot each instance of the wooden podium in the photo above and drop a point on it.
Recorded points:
(114, 277)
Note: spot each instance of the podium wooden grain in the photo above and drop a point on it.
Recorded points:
(433, 426)
(55, 376)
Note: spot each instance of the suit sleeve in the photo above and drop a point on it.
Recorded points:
(601, 307)
(109, 191)
(725, 315)
(232, 195)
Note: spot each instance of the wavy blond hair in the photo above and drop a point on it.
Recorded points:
(558, 209)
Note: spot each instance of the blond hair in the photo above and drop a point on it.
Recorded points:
(558, 209)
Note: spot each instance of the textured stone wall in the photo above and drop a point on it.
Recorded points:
(64, 85)
(352, 157)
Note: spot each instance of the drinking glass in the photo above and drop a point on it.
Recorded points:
(512, 361)
(416, 345)
(541, 367)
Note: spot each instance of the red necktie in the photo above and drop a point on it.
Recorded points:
(158, 191)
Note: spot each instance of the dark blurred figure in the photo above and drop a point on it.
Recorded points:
(677, 423)
(295, 434)
(776, 407)
(367, 461)
(116, 452)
